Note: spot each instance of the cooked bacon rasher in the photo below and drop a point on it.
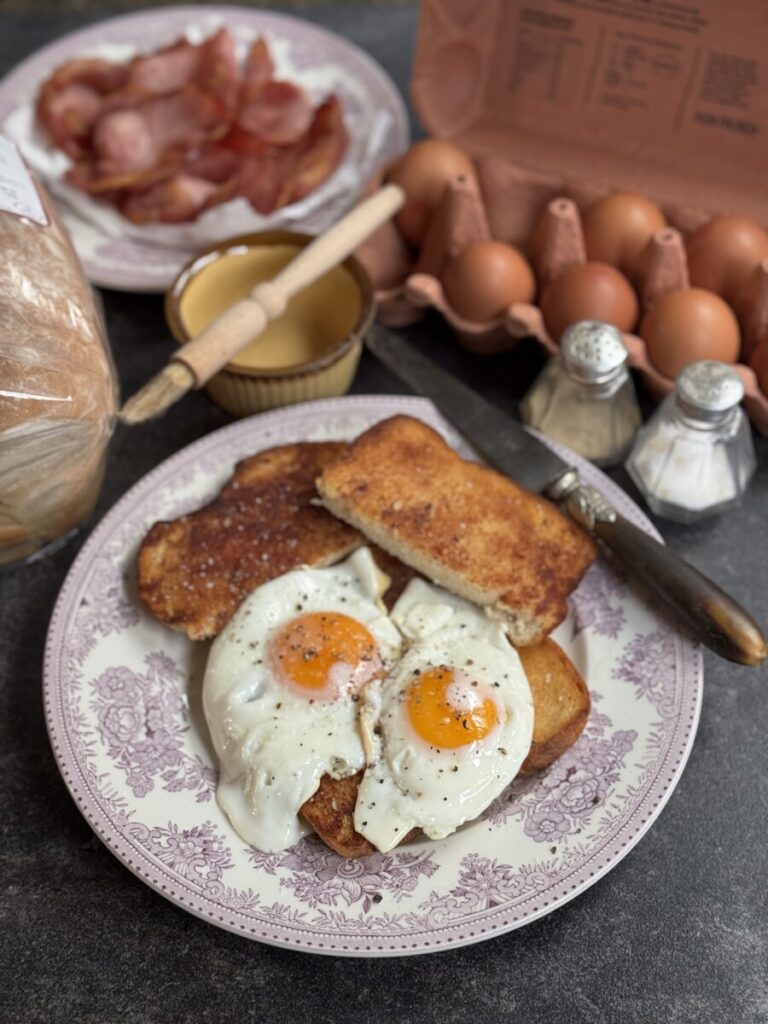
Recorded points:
(172, 133)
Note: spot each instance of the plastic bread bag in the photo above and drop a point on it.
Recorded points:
(57, 382)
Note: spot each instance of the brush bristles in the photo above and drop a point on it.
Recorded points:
(158, 394)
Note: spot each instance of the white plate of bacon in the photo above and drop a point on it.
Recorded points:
(163, 131)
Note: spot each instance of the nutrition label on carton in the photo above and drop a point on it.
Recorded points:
(664, 64)
(18, 194)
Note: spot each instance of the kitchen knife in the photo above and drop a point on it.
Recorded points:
(709, 614)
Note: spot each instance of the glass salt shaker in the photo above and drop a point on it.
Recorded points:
(585, 397)
(695, 456)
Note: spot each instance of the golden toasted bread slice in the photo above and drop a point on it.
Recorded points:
(560, 710)
(465, 526)
(194, 571)
(331, 813)
(560, 702)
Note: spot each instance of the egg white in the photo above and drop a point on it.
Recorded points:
(273, 744)
(407, 782)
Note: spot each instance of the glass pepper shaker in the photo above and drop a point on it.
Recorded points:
(695, 456)
(585, 397)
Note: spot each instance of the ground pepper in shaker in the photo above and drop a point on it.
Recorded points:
(585, 397)
(695, 457)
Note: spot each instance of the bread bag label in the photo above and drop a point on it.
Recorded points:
(18, 194)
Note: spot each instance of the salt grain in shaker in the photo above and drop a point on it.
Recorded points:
(695, 456)
(585, 397)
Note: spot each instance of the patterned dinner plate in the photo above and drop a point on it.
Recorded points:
(116, 254)
(123, 706)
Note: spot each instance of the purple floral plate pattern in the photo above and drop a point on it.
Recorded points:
(122, 697)
(131, 264)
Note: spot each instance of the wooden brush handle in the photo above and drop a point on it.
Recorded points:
(240, 324)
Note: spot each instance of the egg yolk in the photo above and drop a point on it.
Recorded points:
(438, 719)
(322, 654)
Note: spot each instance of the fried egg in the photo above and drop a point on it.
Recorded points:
(281, 692)
(447, 730)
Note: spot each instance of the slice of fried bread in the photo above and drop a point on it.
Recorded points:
(331, 813)
(460, 524)
(561, 702)
(194, 571)
(560, 710)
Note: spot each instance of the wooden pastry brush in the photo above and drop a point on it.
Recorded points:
(196, 362)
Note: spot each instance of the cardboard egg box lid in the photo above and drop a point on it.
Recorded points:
(580, 98)
(662, 97)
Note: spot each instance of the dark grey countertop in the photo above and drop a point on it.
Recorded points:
(677, 932)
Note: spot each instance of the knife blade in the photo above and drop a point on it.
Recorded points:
(503, 442)
(699, 604)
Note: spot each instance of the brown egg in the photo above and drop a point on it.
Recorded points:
(589, 291)
(687, 325)
(759, 363)
(618, 228)
(423, 173)
(723, 253)
(486, 278)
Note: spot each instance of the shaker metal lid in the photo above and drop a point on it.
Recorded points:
(593, 351)
(709, 386)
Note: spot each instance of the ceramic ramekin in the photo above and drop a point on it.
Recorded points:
(243, 390)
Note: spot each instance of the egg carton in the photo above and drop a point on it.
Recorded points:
(408, 284)
(580, 102)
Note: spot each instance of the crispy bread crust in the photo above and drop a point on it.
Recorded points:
(465, 526)
(561, 702)
(194, 571)
(560, 709)
(331, 813)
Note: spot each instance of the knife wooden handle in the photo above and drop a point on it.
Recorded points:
(710, 614)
